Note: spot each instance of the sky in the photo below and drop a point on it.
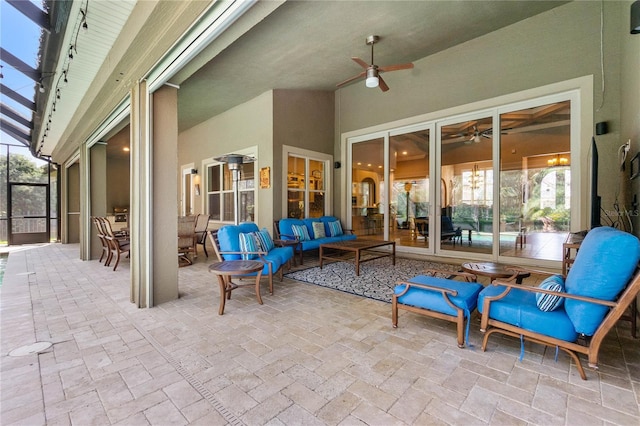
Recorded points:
(21, 37)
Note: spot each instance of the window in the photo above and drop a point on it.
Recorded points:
(221, 196)
(306, 184)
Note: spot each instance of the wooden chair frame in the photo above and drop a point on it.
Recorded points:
(117, 245)
(106, 250)
(213, 238)
(618, 307)
(186, 239)
(446, 294)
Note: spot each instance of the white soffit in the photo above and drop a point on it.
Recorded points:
(105, 20)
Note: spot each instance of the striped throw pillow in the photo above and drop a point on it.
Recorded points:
(301, 232)
(335, 228)
(550, 302)
(248, 242)
(265, 240)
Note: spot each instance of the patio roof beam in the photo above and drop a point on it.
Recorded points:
(17, 97)
(31, 11)
(20, 65)
(16, 133)
(14, 115)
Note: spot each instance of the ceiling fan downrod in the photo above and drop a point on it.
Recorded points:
(371, 40)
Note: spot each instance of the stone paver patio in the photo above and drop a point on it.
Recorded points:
(308, 356)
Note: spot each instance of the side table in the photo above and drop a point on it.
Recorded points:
(492, 270)
(233, 268)
(573, 242)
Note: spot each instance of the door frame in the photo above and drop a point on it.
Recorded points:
(33, 237)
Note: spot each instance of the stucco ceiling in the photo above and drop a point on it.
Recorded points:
(308, 45)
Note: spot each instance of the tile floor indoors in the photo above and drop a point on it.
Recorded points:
(308, 356)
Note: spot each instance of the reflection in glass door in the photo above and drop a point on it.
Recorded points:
(410, 188)
(466, 216)
(535, 181)
(403, 216)
(367, 181)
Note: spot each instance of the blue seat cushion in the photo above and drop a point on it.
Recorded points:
(432, 300)
(283, 253)
(603, 266)
(519, 308)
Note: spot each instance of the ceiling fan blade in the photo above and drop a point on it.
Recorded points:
(382, 84)
(360, 62)
(396, 67)
(350, 79)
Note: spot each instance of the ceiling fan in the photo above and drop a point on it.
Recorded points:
(372, 71)
(477, 135)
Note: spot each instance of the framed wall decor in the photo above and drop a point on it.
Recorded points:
(265, 177)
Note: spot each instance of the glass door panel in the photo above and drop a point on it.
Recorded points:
(466, 216)
(535, 181)
(409, 174)
(367, 180)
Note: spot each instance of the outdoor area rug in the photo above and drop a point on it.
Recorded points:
(377, 277)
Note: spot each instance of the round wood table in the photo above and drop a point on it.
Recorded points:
(492, 270)
(234, 268)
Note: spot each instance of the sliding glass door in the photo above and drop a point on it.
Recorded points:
(535, 180)
(495, 194)
(466, 169)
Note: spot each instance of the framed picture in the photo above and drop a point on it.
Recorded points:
(265, 177)
(197, 188)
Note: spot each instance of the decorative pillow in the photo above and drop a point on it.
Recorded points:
(550, 302)
(335, 228)
(318, 230)
(248, 242)
(265, 240)
(301, 232)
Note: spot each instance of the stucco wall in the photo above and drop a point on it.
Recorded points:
(245, 126)
(304, 119)
(555, 46)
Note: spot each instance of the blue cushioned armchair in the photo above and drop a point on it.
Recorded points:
(226, 244)
(442, 298)
(599, 287)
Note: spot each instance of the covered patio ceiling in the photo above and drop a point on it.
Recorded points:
(274, 45)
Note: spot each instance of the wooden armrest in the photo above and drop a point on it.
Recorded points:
(555, 293)
(244, 252)
(409, 284)
(518, 270)
(466, 275)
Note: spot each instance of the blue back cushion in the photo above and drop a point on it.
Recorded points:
(229, 238)
(603, 266)
(285, 227)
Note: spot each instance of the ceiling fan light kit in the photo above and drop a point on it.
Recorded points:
(372, 71)
(372, 78)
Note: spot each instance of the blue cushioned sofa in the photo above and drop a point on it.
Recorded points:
(227, 247)
(286, 232)
(602, 282)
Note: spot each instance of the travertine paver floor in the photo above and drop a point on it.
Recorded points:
(308, 356)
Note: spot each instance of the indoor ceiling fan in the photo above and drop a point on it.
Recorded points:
(477, 135)
(372, 71)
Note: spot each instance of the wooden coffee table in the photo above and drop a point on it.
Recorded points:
(492, 270)
(233, 268)
(354, 249)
